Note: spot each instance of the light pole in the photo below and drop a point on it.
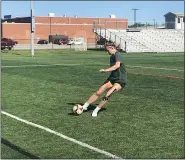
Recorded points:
(32, 28)
(134, 9)
(154, 23)
(50, 24)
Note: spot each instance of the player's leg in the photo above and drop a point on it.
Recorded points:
(98, 93)
(116, 87)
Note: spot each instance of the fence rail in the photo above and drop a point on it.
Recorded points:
(48, 46)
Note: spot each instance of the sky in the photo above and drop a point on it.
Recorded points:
(148, 10)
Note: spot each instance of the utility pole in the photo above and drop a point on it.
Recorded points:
(154, 23)
(135, 9)
(32, 28)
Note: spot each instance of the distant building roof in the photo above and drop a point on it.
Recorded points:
(18, 20)
(178, 14)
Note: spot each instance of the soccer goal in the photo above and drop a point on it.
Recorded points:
(80, 44)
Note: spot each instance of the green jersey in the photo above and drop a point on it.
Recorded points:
(119, 74)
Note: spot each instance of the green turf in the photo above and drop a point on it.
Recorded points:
(8, 153)
(145, 120)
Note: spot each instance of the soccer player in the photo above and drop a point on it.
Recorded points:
(115, 82)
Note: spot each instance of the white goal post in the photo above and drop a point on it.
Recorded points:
(80, 44)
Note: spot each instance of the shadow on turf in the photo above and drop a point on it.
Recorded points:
(90, 108)
(18, 149)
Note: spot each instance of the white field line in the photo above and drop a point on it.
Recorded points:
(62, 136)
(170, 69)
(45, 65)
(40, 65)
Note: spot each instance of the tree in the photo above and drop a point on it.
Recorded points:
(137, 25)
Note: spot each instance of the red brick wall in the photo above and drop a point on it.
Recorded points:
(72, 20)
(43, 31)
(52, 19)
(72, 27)
(18, 31)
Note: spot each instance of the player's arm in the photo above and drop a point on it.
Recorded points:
(114, 67)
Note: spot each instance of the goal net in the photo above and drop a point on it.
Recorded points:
(80, 44)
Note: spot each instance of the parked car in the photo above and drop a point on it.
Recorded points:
(42, 41)
(11, 40)
(75, 42)
(6, 44)
(14, 42)
(56, 38)
(61, 41)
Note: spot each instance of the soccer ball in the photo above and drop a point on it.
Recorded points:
(78, 109)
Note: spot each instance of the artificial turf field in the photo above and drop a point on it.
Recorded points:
(144, 120)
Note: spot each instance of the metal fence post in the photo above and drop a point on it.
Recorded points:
(100, 33)
(125, 46)
(105, 31)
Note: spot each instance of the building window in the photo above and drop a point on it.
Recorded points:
(179, 20)
(183, 19)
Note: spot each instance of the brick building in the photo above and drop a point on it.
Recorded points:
(19, 28)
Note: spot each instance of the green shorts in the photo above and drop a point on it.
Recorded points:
(119, 81)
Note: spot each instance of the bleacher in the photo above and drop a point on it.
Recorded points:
(146, 40)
